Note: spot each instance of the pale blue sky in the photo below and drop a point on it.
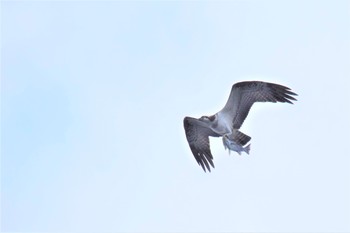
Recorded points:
(93, 95)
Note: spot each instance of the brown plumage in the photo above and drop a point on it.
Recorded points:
(228, 121)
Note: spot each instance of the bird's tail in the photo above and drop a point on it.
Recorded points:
(247, 149)
(239, 137)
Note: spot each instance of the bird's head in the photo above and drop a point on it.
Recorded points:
(208, 118)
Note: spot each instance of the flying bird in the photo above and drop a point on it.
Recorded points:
(227, 122)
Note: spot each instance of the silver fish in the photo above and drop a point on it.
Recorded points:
(234, 146)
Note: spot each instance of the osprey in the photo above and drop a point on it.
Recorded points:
(226, 123)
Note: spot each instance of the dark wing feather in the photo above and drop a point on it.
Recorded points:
(198, 139)
(244, 94)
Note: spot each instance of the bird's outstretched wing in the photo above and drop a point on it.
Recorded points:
(198, 139)
(244, 94)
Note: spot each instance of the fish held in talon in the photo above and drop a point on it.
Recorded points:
(227, 122)
(234, 146)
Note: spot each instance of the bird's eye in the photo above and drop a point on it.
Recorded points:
(211, 118)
